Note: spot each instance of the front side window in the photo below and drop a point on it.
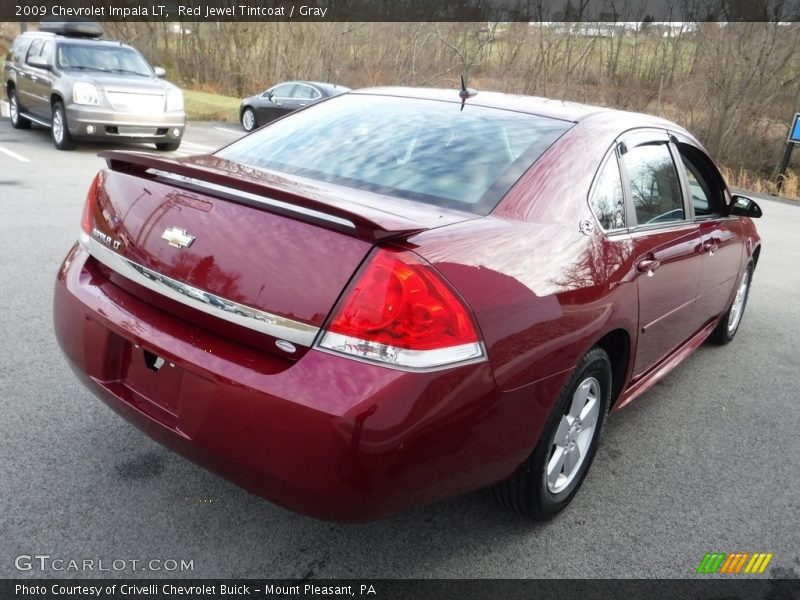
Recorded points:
(35, 48)
(282, 91)
(655, 186)
(48, 52)
(608, 201)
(705, 183)
(423, 150)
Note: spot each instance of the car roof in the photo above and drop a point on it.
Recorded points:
(327, 87)
(544, 107)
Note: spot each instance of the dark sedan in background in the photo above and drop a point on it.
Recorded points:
(400, 295)
(283, 98)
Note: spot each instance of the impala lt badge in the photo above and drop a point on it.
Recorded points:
(177, 238)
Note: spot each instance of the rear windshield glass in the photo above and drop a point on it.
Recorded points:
(421, 150)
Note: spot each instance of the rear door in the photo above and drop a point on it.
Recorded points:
(666, 243)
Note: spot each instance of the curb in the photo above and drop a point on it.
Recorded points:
(3, 108)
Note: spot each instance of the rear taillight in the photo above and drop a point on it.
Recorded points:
(87, 221)
(399, 311)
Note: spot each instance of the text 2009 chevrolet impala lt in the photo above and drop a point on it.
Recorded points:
(393, 297)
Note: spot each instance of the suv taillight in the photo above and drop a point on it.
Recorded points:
(399, 311)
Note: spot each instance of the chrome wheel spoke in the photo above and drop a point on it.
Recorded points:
(571, 461)
(737, 307)
(588, 417)
(562, 431)
(555, 466)
(579, 398)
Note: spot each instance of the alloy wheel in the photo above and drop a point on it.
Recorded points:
(573, 438)
(737, 308)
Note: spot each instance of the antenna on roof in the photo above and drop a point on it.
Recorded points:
(465, 92)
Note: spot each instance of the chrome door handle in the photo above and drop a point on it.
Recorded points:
(648, 265)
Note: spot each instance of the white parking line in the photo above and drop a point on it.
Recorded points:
(226, 130)
(14, 155)
(201, 146)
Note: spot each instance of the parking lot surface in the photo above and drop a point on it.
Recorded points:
(707, 461)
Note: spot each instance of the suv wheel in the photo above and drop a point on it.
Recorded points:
(17, 120)
(168, 146)
(61, 136)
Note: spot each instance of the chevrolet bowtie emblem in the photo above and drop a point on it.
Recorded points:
(177, 238)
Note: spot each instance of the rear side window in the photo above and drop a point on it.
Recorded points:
(423, 150)
(655, 186)
(607, 200)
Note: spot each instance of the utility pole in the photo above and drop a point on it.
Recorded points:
(794, 138)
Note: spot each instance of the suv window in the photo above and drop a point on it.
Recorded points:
(19, 48)
(655, 186)
(608, 201)
(48, 52)
(35, 49)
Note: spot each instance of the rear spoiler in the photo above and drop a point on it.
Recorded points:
(326, 211)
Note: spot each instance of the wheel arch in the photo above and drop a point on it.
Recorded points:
(617, 344)
(56, 97)
(756, 254)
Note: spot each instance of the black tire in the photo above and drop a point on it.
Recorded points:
(248, 119)
(59, 130)
(168, 146)
(17, 120)
(729, 323)
(527, 492)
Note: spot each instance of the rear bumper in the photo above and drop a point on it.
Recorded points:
(325, 436)
(107, 125)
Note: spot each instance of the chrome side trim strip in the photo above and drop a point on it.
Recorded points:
(253, 198)
(222, 308)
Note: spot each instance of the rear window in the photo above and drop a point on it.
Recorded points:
(421, 150)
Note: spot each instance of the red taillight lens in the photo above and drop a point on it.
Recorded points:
(87, 221)
(401, 311)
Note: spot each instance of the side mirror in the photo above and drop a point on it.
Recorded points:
(269, 96)
(160, 72)
(742, 206)
(39, 63)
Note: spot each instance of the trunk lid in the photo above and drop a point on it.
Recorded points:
(257, 257)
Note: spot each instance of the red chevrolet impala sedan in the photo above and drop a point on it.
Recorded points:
(399, 295)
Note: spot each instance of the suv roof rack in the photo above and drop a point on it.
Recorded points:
(76, 28)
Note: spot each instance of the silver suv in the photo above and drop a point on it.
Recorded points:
(86, 88)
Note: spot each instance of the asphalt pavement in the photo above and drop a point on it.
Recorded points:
(707, 461)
